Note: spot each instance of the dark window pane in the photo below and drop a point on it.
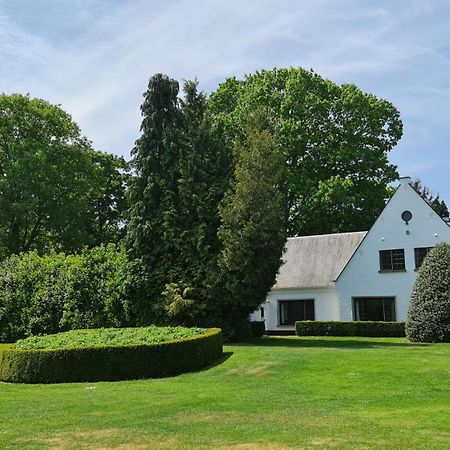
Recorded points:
(419, 255)
(392, 259)
(293, 310)
(389, 310)
(309, 310)
(385, 260)
(374, 308)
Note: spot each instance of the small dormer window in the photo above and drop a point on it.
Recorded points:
(392, 260)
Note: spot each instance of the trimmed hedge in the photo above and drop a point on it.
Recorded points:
(257, 328)
(110, 363)
(353, 328)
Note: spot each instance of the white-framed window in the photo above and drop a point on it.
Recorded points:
(392, 260)
(374, 308)
(290, 311)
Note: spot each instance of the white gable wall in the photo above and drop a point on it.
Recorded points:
(361, 277)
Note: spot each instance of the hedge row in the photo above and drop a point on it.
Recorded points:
(110, 363)
(257, 328)
(354, 328)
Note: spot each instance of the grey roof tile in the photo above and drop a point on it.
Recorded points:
(316, 261)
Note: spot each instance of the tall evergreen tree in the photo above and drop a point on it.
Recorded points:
(153, 197)
(439, 206)
(182, 172)
(205, 168)
(253, 230)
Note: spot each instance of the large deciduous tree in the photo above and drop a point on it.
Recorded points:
(52, 183)
(335, 139)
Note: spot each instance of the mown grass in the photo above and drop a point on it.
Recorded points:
(273, 393)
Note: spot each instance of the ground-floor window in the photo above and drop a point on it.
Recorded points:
(293, 310)
(374, 308)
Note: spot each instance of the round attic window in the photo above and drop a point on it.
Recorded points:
(406, 216)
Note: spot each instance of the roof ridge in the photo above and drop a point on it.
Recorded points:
(328, 234)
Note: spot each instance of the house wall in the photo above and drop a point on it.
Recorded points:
(325, 305)
(361, 277)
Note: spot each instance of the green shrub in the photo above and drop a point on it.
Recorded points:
(110, 362)
(57, 292)
(354, 328)
(257, 328)
(95, 295)
(429, 309)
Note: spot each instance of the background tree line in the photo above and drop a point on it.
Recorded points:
(215, 185)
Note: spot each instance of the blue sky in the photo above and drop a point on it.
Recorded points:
(94, 57)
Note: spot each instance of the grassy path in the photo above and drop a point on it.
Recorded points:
(275, 393)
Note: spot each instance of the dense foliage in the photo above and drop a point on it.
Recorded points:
(335, 139)
(257, 328)
(429, 309)
(57, 292)
(354, 328)
(253, 231)
(56, 192)
(107, 336)
(182, 172)
(110, 362)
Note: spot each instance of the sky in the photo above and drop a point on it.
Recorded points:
(94, 58)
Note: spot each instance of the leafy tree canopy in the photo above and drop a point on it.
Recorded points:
(335, 140)
(55, 190)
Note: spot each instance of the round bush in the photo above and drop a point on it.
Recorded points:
(110, 362)
(429, 310)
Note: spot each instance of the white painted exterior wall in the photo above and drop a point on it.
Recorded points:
(326, 305)
(361, 277)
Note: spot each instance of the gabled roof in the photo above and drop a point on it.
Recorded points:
(316, 261)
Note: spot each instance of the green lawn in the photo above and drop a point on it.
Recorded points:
(275, 393)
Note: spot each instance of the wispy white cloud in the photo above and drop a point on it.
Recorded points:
(95, 57)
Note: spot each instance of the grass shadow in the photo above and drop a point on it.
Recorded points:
(218, 362)
(326, 342)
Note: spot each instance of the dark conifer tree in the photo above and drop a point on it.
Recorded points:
(205, 167)
(182, 172)
(153, 197)
(253, 229)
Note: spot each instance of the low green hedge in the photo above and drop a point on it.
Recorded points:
(110, 362)
(354, 328)
(257, 328)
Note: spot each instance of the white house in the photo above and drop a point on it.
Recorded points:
(356, 276)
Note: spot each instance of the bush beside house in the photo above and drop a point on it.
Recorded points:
(429, 310)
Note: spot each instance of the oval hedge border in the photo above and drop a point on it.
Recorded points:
(111, 363)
